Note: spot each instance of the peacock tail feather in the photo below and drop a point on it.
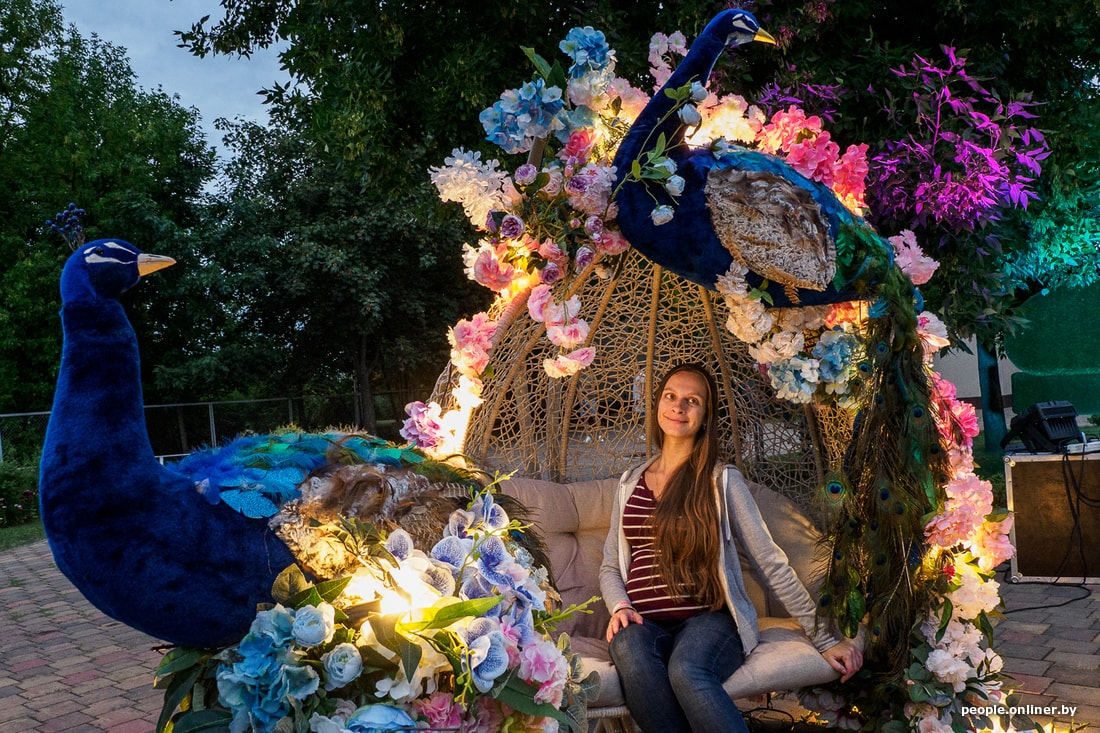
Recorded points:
(893, 471)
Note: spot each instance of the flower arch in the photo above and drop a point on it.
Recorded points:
(553, 379)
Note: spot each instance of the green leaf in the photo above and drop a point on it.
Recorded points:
(556, 77)
(330, 590)
(410, 656)
(443, 617)
(541, 65)
(945, 618)
(176, 660)
(307, 597)
(659, 147)
(520, 695)
(289, 583)
(202, 720)
(178, 688)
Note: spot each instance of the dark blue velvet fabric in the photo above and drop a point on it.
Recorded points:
(137, 540)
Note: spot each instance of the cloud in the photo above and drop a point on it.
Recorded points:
(218, 86)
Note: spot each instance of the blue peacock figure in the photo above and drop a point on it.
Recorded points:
(185, 553)
(747, 206)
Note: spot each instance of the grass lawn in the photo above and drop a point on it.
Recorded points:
(21, 534)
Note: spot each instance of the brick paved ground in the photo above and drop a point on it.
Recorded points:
(66, 667)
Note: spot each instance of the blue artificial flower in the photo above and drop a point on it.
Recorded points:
(452, 551)
(440, 576)
(343, 664)
(491, 515)
(589, 50)
(486, 657)
(276, 623)
(833, 352)
(459, 523)
(522, 115)
(379, 719)
(794, 379)
(494, 560)
(314, 625)
(400, 544)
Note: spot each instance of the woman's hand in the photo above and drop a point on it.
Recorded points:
(844, 657)
(620, 620)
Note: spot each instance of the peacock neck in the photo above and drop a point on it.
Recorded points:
(657, 116)
(98, 410)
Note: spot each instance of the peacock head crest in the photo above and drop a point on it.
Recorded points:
(106, 268)
(738, 27)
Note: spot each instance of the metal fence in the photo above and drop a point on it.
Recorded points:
(180, 428)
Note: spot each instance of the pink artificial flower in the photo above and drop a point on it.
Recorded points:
(633, 100)
(568, 335)
(544, 665)
(785, 129)
(525, 175)
(441, 710)
(584, 257)
(511, 227)
(816, 157)
(558, 314)
(569, 364)
(553, 185)
(850, 176)
(423, 427)
(471, 341)
(487, 716)
(912, 261)
(612, 242)
(489, 271)
(579, 146)
(478, 331)
(969, 501)
(550, 273)
(550, 251)
(540, 296)
(933, 334)
(953, 416)
(993, 544)
(589, 188)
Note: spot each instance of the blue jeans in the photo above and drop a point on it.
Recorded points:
(672, 673)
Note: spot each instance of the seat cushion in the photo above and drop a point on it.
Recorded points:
(595, 658)
(783, 660)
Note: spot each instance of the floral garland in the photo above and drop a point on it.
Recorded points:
(455, 639)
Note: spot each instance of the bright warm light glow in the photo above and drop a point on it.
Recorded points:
(393, 602)
(726, 120)
(521, 283)
(363, 587)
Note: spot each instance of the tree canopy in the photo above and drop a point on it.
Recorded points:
(76, 128)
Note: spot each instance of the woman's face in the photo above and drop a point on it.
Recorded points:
(682, 407)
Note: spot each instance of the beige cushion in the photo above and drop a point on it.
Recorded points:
(574, 520)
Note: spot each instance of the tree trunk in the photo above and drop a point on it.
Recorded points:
(993, 405)
(364, 396)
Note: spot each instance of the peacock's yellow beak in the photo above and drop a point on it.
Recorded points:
(148, 263)
(764, 37)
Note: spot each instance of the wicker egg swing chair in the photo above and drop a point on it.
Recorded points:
(644, 319)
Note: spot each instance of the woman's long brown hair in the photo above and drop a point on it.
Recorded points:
(685, 521)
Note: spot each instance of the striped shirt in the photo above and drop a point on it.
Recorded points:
(647, 592)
